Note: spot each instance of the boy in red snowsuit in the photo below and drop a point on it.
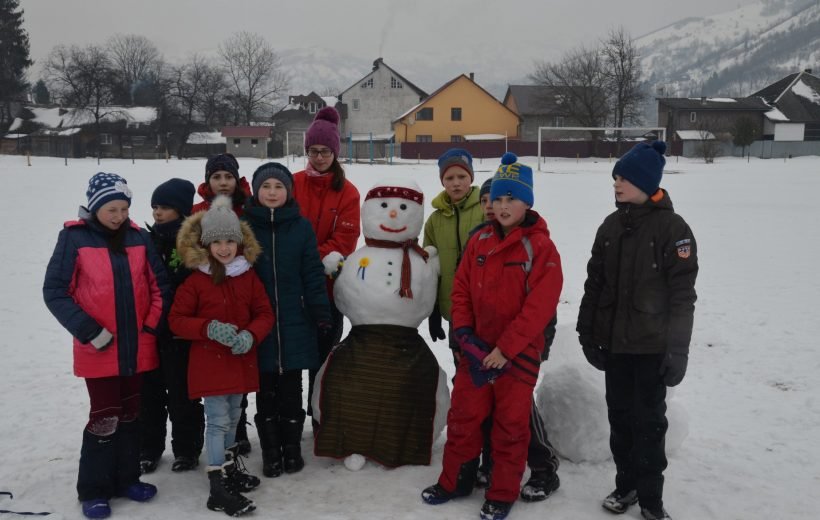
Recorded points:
(505, 293)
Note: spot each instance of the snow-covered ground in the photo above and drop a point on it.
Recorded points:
(750, 400)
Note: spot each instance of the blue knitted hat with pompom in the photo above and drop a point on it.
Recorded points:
(643, 166)
(514, 179)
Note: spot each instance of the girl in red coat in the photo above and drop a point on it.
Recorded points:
(222, 178)
(505, 293)
(224, 310)
(331, 204)
(106, 284)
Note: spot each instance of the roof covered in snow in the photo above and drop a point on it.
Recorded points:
(206, 138)
(797, 97)
(56, 117)
(695, 135)
(707, 103)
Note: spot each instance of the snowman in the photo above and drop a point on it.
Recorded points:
(382, 394)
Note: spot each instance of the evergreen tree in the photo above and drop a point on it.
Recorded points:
(14, 58)
(41, 94)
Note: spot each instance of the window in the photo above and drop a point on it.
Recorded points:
(394, 83)
(312, 107)
(425, 114)
(456, 139)
(106, 139)
(355, 104)
(455, 114)
(254, 142)
(368, 83)
(424, 138)
(693, 117)
(236, 142)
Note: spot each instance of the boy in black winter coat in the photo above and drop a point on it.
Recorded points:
(165, 390)
(635, 322)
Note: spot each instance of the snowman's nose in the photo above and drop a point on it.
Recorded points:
(393, 213)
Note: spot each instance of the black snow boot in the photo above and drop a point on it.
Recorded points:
(268, 429)
(238, 475)
(465, 481)
(660, 513)
(222, 496)
(98, 463)
(619, 501)
(128, 456)
(291, 430)
(540, 486)
(495, 510)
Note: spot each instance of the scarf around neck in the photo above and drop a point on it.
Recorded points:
(406, 246)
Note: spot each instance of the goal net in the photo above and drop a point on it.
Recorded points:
(584, 141)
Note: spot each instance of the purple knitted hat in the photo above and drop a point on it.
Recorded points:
(324, 130)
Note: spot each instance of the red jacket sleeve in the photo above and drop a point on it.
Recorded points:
(346, 228)
(262, 320)
(182, 319)
(545, 281)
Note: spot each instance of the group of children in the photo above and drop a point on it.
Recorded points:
(235, 295)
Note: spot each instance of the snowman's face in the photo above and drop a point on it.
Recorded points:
(392, 218)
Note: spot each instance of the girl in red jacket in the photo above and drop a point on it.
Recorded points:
(331, 204)
(222, 178)
(224, 310)
(106, 285)
(505, 293)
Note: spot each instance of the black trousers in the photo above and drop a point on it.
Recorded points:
(326, 344)
(280, 395)
(164, 394)
(636, 403)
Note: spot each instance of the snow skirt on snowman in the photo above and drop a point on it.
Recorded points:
(378, 397)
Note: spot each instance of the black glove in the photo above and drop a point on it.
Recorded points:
(325, 330)
(434, 325)
(596, 356)
(673, 368)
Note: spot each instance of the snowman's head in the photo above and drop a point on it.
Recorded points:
(393, 211)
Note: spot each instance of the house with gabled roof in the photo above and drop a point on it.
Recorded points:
(374, 101)
(292, 121)
(538, 105)
(795, 108)
(460, 110)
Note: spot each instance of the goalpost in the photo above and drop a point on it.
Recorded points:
(641, 130)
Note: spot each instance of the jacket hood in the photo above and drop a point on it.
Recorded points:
(194, 254)
(442, 201)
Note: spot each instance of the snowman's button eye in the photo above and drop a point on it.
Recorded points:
(384, 204)
(403, 207)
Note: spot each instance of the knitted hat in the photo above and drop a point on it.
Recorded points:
(272, 170)
(105, 187)
(456, 157)
(324, 130)
(175, 193)
(514, 179)
(220, 222)
(225, 162)
(485, 188)
(642, 166)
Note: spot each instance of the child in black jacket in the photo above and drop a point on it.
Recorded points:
(165, 390)
(635, 322)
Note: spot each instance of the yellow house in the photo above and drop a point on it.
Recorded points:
(460, 110)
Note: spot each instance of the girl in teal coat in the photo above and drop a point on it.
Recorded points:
(294, 278)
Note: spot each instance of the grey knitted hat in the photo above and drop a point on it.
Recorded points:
(220, 222)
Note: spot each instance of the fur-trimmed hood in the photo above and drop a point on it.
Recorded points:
(194, 254)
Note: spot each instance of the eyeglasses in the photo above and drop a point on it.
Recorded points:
(324, 152)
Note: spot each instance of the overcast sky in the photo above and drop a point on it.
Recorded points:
(463, 34)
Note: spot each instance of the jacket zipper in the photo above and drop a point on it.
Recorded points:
(275, 289)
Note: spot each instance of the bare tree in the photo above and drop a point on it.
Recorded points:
(82, 77)
(195, 90)
(136, 60)
(254, 72)
(622, 69)
(579, 83)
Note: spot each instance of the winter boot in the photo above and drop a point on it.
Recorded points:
(655, 514)
(495, 510)
(619, 501)
(96, 508)
(128, 457)
(241, 439)
(237, 474)
(141, 491)
(291, 430)
(98, 463)
(540, 486)
(222, 497)
(268, 429)
(465, 481)
(184, 463)
(148, 464)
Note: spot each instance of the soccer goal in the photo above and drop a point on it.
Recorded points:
(586, 141)
(294, 143)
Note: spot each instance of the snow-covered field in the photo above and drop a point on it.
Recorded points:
(750, 400)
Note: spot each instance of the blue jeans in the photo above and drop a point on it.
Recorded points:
(222, 415)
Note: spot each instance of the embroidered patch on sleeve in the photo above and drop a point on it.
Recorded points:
(684, 248)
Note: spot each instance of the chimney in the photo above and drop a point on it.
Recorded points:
(376, 63)
(472, 76)
(703, 100)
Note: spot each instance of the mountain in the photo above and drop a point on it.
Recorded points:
(733, 53)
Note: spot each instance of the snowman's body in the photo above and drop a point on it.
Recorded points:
(383, 377)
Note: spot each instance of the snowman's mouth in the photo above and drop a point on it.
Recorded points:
(391, 230)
